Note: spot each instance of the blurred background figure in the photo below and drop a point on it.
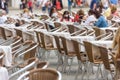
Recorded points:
(23, 4)
(4, 5)
(30, 5)
(114, 2)
(3, 17)
(66, 17)
(58, 4)
(27, 14)
(79, 3)
(43, 5)
(69, 5)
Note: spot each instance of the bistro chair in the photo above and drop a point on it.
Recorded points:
(41, 74)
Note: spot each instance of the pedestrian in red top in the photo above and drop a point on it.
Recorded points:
(30, 5)
(79, 2)
(58, 4)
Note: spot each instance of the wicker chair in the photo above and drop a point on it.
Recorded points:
(107, 64)
(92, 58)
(2, 33)
(44, 17)
(21, 68)
(24, 35)
(25, 53)
(1, 58)
(61, 53)
(98, 31)
(69, 55)
(72, 28)
(81, 57)
(41, 74)
(80, 32)
(106, 36)
(117, 74)
(47, 47)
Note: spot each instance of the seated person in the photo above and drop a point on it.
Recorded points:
(101, 22)
(54, 14)
(91, 18)
(79, 16)
(27, 14)
(3, 17)
(66, 17)
(111, 12)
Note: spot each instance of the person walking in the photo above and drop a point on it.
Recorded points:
(4, 5)
(58, 4)
(93, 5)
(30, 5)
(43, 5)
(69, 5)
(24, 4)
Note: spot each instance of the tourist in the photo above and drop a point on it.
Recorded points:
(79, 16)
(66, 17)
(49, 5)
(4, 5)
(105, 3)
(101, 22)
(3, 17)
(79, 2)
(24, 4)
(93, 4)
(111, 12)
(58, 4)
(69, 5)
(114, 2)
(91, 18)
(27, 14)
(30, 5)
(43, 5)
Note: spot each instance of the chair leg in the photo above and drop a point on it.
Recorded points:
(88, 71)
(78, 70)
(65, 63)
(43, 56)
(98, 70)
(70, 64)
(60, 60)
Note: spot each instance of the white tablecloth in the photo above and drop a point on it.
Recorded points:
(107, 44)
(8, 55)
(3, 74)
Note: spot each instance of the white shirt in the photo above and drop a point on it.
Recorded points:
(90, 19)
(43, 2)
(55, 15)
(105, 3)
(3, 19)
(3, 73)
(3, 5)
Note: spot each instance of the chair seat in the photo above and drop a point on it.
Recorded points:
(99, 61)
(50, 47)
(72, 54)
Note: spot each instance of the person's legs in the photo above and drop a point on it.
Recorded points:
(30, 8)
(69, 8)
(49, 8)
(7, 10)
(44, 9)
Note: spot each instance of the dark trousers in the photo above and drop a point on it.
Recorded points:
(30, 8)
